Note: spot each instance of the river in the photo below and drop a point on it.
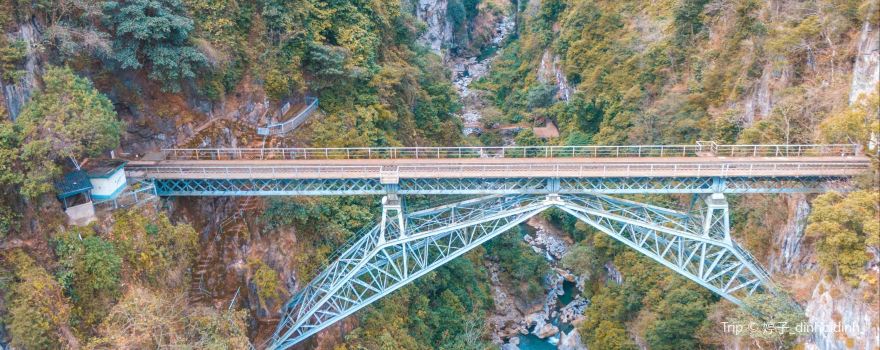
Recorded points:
(507, 322)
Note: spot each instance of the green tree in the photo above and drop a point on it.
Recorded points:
(155, 34)
(152, 248)
(12, 54)
(143, 319)
(679, 315)
(606, 306)
(582, 260)
(523, 266)
(69, 118)
(10, 152)
(578, 115)
(211, 329)
(774, 310)
(845, 226)
(855, 124)
(726, 129)
(265, 279)
(38, 310)
(540, 96)
(611, 336)
(527, 137)
(326, 63)
(90, 273)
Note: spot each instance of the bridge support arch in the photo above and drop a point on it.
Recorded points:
(405, 246)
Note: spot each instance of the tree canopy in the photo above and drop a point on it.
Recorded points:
(845, 225)
(68, 118)
(153, 33)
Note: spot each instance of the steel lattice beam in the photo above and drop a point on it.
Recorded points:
(404, 247)
(486, 186)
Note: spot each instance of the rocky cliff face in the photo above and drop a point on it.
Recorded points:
(866, 70)
(758, 104)
(789, 257)
(18, 93)
(843, 318)
(839, 317)
(439, 29)
(550, 72)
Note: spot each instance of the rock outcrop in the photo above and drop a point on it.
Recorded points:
(550, 72)
(570, 341)
(788, 257)
(866, 70)
(547, 330)
(841, 317)
(439, 29)
(19, 92)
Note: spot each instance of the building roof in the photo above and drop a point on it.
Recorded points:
(102, 168)
(72, 184)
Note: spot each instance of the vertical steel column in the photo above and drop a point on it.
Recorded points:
(716, 217)
(392, 218)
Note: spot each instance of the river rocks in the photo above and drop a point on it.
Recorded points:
(466, 70)
(574, 310)
(568, 276)
(570, 341)
(536, 320)
(546, 331)
(581, 282)
(510, 346)
(514, 341)
(551, 247)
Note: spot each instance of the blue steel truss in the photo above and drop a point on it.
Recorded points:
(405, 246)
(486, 186)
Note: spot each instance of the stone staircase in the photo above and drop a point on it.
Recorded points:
(197, 291)
(234, 224)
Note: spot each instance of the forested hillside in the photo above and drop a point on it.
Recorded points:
(125, 78)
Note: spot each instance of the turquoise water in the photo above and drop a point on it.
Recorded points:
(532, 342)
(569, 289)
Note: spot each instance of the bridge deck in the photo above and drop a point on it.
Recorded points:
(500, 167)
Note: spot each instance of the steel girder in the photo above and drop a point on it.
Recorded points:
(485, 186)
(403, 247)
(387, 258)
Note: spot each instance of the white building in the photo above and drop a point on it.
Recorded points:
(107, 177)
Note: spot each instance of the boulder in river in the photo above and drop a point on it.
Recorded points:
(570, 341)
(546, 331)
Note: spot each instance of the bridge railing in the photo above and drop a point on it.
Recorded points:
(700, 149)
(292, 123)
(511, 170)
(841, 150)
(141, 192)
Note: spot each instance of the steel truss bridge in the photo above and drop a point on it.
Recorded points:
(509, 185)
